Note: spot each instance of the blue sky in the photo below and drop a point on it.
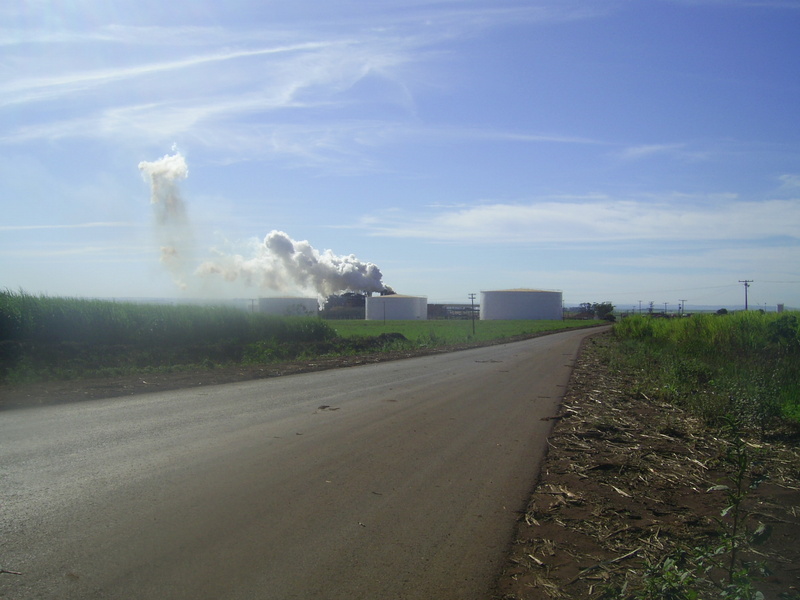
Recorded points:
(622, 150)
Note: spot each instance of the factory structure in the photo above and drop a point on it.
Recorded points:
(514, 304)
(397, 307)
(289, 307)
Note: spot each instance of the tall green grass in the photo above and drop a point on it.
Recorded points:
(44, 337)
(745, 365)
(446, 332)
(43, 319)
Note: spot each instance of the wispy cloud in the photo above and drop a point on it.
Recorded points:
(215, 122)
(790, 181)
(648, 150)
(787, 4)
(67, 226)
(21, 91)
(198, 95)
(598, 220)
(683, 151)
(739, 256)
(95, 254)
(212, 80)
(449, 134)
(116, 33)
(421, 20)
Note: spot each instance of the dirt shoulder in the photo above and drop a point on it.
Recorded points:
(625, 484)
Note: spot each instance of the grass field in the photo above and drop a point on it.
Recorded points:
(450, 332)
(47, 338)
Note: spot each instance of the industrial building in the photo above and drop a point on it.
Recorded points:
(397, 307)
(289, 307)
(521, 304)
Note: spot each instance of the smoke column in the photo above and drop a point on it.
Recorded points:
(172, 226)
(278, 263)
(282, 264)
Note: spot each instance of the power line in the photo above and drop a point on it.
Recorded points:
(669, 291)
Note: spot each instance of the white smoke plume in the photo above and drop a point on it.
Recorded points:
(277, 264)
(282, 264)
(172, 226)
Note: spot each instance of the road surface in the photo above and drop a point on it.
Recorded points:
(399, 480)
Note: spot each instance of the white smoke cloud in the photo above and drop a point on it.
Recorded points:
(277, 264)
(172, 225)
(282, 264)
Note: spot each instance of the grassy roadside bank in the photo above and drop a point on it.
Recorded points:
(744, 366)
(62, 339)
(673, 469)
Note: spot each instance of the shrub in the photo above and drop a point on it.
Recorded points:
(744, 364)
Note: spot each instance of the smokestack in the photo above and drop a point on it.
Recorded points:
(278, 263)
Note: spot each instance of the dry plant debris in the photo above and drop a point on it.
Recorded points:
(626, 483)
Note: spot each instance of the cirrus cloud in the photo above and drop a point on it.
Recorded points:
(600, 219)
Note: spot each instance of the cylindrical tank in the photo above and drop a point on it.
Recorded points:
(289, 307)
(397, 307)
(521, 304)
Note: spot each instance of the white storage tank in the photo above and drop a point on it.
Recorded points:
(289, 307)
(521, 304)
(397, 307)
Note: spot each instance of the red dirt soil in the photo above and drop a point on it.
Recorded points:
(626, 483)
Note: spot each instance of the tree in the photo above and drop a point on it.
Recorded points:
(603, 310)
(598, 310)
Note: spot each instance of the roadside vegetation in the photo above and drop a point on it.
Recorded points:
(51, 338)
(739, 374)
(46, 338)
(673, 469)
(744, 366)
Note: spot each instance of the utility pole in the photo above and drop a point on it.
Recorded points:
(665, 309)
(640, 307)
(472, 311)
(682, 304)
(746, 283)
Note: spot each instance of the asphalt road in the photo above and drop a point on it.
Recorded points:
(400, 480)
